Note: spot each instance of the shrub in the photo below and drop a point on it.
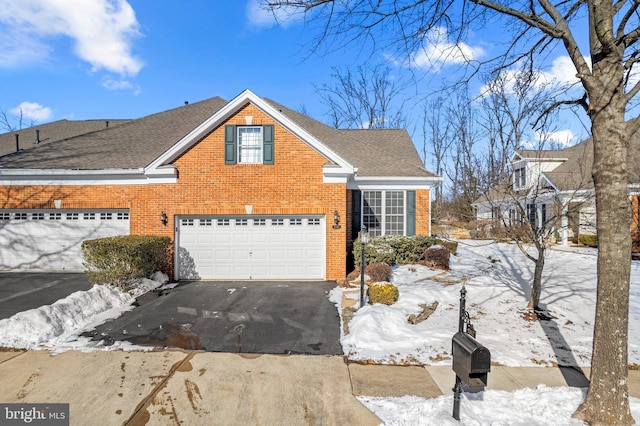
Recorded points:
(437, 257)
(635, 242)
(452, 246)
(393, 249)
(385, 293)
(378, 271)
(588, 240)
(120, 260)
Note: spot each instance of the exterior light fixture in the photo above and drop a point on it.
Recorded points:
(163, 218)
(363, 235)
(336, 220)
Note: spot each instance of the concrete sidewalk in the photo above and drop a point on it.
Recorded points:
(189, 388)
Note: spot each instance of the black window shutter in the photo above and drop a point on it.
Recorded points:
(411, 213)
(267, 144)
(230, 150)
(356, 213)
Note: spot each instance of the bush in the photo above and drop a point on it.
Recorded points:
(635, 242)
(393, 249)
(588, 240)
(120, 260)
(385, 293)
(378, 271)
(437, 257)
(452, 246)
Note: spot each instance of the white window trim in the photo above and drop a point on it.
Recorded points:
(518, 182)
(383, 219)
(260, 160)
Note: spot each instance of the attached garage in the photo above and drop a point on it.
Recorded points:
(51, 239)
(251, 247)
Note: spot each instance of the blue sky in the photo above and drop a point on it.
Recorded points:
(149, 57)
(107, 59)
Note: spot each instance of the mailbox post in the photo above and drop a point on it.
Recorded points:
(471, 360)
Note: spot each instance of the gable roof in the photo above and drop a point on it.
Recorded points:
(575, 172)
(51, 132)
(154, 141)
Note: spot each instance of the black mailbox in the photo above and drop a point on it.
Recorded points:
(471, 360)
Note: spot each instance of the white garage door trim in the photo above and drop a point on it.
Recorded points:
(51, 239)
(251, 247)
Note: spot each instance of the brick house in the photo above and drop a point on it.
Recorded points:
(247, 189)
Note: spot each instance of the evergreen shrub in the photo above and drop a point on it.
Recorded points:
(122, 259)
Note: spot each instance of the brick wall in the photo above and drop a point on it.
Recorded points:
(292, 185)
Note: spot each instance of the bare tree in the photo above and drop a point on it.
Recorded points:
(363, 99)
(614, 31)
(436, 135)
(533, 211)
(12, 123)
(467, 171)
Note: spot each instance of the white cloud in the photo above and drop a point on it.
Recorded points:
(561, 138)
(33, 111)
(102, 31)
(110, 83)
(440, 51)
(562, 72)
(258, 16)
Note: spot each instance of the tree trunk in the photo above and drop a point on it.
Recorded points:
(607, 400)
(536, 288)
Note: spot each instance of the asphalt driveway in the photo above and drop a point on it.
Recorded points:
(21, 291)
(239, 317)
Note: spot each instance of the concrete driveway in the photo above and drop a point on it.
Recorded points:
(239, 317)
(21, 291)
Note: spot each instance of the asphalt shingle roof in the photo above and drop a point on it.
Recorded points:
(131, 145)
(575, 173)
(51, 132)
(90, 145)
(375, 152)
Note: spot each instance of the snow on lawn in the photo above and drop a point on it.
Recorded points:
(497, 278)
(542, 406)
(58, 326)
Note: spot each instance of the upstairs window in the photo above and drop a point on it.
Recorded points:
(248, 144)
(520, 177)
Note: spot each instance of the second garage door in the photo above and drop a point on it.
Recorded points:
(52, 239)
(250, 247)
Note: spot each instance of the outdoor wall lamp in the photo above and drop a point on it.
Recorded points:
(163, 218)
(336, 220)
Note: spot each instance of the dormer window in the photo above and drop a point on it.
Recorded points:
(520, 177)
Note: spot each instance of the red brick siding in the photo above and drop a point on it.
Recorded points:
(293, 185)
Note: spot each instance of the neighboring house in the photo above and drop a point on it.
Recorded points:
(247, 189)
(554, 188)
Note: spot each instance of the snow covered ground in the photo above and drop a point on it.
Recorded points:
(497, 278)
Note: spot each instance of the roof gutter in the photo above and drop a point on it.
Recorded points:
(66, 177)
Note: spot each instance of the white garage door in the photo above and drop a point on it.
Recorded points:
(52, 239)
(250, 248)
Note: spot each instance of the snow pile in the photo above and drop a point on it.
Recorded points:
(58, 325)
(527, 407)
(497, 278)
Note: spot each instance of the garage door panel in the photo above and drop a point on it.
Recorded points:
(31, 239)
(254, 247)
